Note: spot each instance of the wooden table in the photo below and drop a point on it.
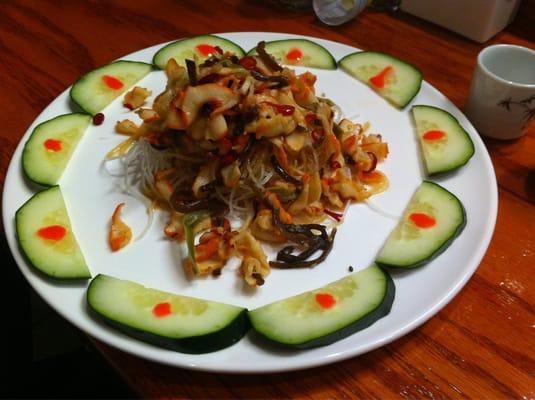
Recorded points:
(480, 346)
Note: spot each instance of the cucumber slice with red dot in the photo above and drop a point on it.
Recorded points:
(299, 52)
(50, 147)
(196, 47)
(46, 238)
(395, 80)
(327, 314)
(98, 88)
(444, 143)
(433, 219)
(180, 323)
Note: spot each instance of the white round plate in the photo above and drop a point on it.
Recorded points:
(91, 195)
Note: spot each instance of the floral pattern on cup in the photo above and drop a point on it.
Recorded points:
(529, 111)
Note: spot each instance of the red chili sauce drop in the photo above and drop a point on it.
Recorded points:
(379, 80)
(434, 135)
(206, 49)
(422, 220)
(248, 62)
(284, 109)
(325, 300)
(52, 232)
(294, 55)
(52, 145)
(162, 309)
(112, 82)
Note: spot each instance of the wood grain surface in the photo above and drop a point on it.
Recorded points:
(480, 346)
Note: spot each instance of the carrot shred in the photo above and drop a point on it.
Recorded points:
(120, 234)
(204, 251)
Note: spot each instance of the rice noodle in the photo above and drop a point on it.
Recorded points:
(380, 211)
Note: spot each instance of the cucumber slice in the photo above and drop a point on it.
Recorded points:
(180, 323)
(432, 220)
(444, 143)
(45, 236)
(300, 52)
(401, 83)
(189, 48)
(51, 145)
(349, 305)
(98, 88)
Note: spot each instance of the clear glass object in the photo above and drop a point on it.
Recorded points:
(336, 12)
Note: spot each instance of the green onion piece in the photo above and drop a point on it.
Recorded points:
(190, 221)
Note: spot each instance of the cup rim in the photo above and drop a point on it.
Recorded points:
(497, 77)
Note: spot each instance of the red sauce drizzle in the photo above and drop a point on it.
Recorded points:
(434, 135)
(52, 232)
(325, 300)
(379, 80)
(112, 82)
(422, 220)
(52, 145)
(206, 49)
(284, 109)
(294, 54)
(162, 309)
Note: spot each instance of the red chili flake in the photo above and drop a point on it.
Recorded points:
(336, 216)
(294, 54)
(310, 118)
(52, 232)
(335, 164)
(434, 135)
(227, 159)
(379, 80)
(325, 300)
(53, 145)
(112, 82)
(240, 142)
(98, 119)
(422, 220)
(210, 78)
(162, 309)
(206, 49)
(226, 142)
(284, 109)
(248, 62)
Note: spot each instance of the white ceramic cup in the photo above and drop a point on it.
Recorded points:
(501, 103)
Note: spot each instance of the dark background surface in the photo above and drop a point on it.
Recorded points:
(44, 356)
